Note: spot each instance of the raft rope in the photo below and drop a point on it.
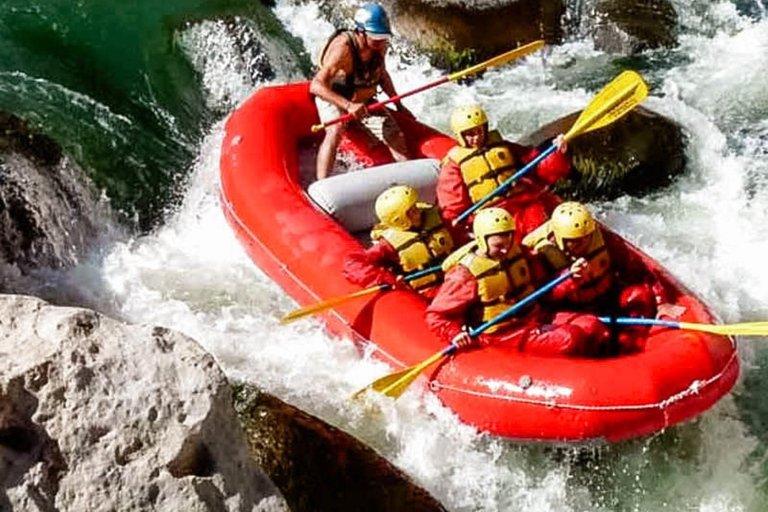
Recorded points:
(693, 389)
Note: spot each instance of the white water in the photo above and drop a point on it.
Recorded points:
(710, 228)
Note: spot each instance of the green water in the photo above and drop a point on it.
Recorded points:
(110, 82)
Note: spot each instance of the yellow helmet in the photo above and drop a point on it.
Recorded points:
(393, 204)
(491, 221)
(466, 118)
(571, 220)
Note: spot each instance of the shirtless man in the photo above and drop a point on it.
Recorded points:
(351, 71)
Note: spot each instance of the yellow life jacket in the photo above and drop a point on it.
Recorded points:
(598, 275)
(484, 169)
(542, 242)
(500, 284)
(420, 247)
(456, 256)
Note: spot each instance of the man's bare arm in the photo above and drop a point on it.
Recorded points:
(386, 84)
(337, 53)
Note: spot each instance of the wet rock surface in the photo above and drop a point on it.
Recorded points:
(639, 153)
(487, 28)
(628, 28)
(319, 468)
(49, 210)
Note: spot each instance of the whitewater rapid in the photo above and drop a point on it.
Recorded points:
(710, 228)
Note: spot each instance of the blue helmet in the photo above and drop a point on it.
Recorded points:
(373, 19)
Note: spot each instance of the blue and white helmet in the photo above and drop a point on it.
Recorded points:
(373, 19)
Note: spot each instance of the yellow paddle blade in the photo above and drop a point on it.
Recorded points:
(500, 59)
(383, 382)
(328, 304)
(743, 329)
(395, 384)
(617, 98)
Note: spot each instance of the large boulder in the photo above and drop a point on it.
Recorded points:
(49, 209)
(319, 468)
(641, 152)
(96, 415)
(629, 27)
(458, 32)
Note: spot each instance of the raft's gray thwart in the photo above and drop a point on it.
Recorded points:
(349, 198)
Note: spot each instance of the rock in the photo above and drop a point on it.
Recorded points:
(641, 152)
(49, 209)
(629, 27)
(319, 468)
(247, 40)
(96, 415)
(461, 33)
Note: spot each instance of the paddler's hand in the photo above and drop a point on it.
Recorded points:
(401, 284)
(560, 143)
(357, 110)
(577, 269)
(462, 340)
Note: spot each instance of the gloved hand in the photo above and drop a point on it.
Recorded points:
(560, 143)
(401, 284)
(577, 269)
(462, 340)
(637, 301)
(357, 110)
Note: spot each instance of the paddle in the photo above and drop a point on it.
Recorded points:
(335, 301)
(742, 329)
(394, 384)
(617, 98)
(496, 61)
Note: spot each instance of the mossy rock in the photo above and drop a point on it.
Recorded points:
(642, 152)
(318, 467)
(457, 35)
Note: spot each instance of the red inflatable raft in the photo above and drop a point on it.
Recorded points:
(679, 374)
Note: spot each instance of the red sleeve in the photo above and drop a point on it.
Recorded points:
(452, 195)
(631, 268)
(556, 166)
(448, 311)
(370, 267)
(564, 290)
(453, 200)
